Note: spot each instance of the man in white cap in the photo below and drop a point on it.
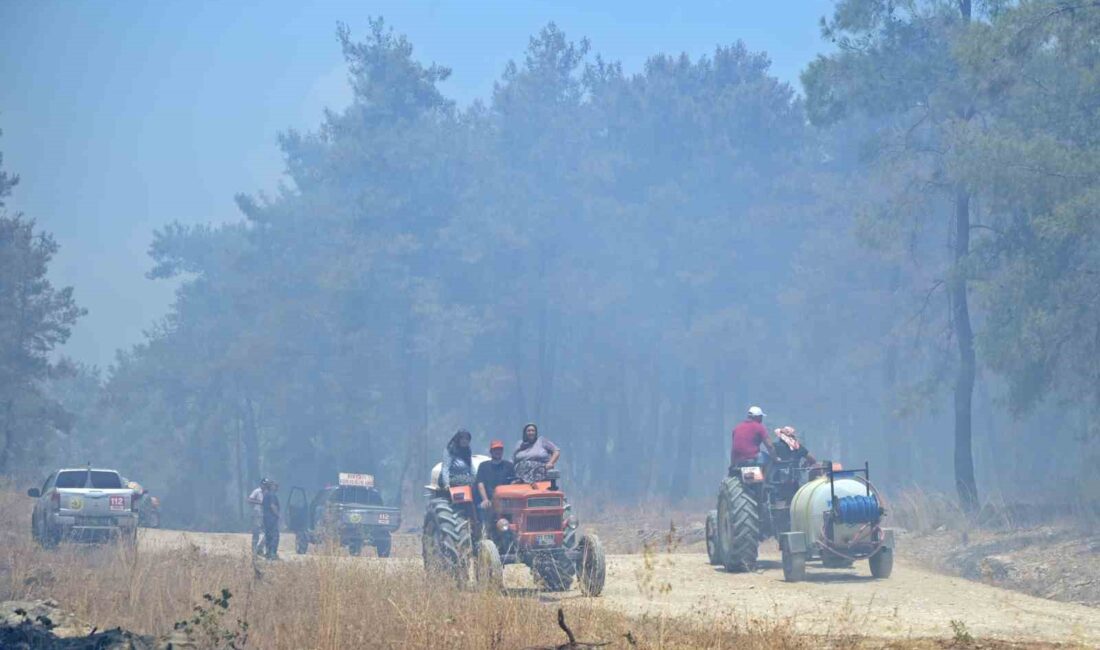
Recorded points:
(747, 438)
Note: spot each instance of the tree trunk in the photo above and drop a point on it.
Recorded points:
(251, 444)
(964, 336)
(684, 447)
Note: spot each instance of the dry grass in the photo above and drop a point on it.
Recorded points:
(335, 602)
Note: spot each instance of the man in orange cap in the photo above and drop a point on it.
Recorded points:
(493, 473)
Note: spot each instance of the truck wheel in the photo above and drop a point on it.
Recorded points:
(446, 543)
(553, 571)
(383, 544)
(301, 543)
(591, 566)
(714, 553)
(794, 566)
(882, 563)
(355, 547)
(489, 570)
(738, 526)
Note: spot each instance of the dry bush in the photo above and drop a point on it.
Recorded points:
(920, 511)
(325, 601)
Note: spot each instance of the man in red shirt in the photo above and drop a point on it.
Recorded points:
(747, 437)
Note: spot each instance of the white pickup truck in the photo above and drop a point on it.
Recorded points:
(84, 504)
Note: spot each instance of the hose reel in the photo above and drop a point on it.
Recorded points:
(858, 509)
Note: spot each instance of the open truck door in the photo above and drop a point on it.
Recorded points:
(298, 519)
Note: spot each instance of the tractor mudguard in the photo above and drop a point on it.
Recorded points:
(794, 542)
(888, 538)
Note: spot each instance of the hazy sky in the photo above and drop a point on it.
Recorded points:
(121, 117)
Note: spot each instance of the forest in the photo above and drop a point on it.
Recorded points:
(900, 258)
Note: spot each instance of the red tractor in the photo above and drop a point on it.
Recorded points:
(529, 523)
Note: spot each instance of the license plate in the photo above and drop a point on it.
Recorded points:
(544, 540)
(383, 518)
(118, 502)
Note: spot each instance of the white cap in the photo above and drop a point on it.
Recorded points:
(755, 412)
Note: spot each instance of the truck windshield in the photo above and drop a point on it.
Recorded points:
(75, 479)
(106, 480)
(98, 479)
(356, 494)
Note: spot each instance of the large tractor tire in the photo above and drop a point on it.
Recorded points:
(714, 549)
(488, 568)
(553, 571)
(738, 527)
(446, 542)
(591, 566)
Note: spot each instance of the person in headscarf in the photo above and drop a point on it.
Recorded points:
(458, 464)
(534, 455)
(789, 447)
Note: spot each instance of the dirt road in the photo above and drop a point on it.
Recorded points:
(912, 603)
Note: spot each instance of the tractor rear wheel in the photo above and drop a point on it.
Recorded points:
(714, 552)
(488, 569)
(446, 542)
(591, 566)
(553, 570)
(882, 563)
(738, 526)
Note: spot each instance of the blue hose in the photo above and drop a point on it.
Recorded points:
(858, 509)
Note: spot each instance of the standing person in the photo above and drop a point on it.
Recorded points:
(458, 462)
(493, 473)
(534, 455)
(256, 508)
(747, 438)
(271, 520)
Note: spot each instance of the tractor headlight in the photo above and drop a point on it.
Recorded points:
(502, 525)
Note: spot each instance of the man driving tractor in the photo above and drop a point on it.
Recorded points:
(493, 473)
(747, 438)
(534, 455)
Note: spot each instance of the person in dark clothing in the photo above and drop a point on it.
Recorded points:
(493, 473)
(458, 463)
(789, 447)
(271, 520)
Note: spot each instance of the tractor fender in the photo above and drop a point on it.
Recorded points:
(888, 538)
(793, 542)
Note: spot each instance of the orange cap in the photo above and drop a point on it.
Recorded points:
(496, 444)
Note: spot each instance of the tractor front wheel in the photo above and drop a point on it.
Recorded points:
(489, 570)
(553, 571)
(591, 566)
(738, 526)
(714, 553)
